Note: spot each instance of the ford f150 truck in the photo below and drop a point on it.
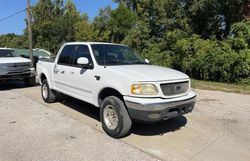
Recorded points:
(116, 79)
(13, 67)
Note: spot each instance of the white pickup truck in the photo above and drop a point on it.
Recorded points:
(13, 67)
(114, 78)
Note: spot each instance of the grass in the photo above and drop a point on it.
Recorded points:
(217, 86)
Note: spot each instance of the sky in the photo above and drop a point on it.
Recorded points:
(16, 24)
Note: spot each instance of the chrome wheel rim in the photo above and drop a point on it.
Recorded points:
(110, 117)
(45, 91)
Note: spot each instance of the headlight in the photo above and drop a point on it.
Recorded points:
(144, 89)
(31, 65)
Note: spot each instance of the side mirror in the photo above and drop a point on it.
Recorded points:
(147, 61)
(82, 61)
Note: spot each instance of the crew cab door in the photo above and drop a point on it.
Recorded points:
(62, 68)
(82, 79)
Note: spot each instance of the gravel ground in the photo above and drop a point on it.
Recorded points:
(31, 131)
(217, 130)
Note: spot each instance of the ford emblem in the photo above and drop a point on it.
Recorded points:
(178, 88)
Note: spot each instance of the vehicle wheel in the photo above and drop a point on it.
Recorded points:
(114, 116)
(30, 81)
(48, 95)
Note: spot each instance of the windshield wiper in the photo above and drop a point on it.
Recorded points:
(117, 62)
(138, 62)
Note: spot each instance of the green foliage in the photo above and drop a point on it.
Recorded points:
(55, 23)
(46, 26)
(198, 37)
(101, 25)
(121, 21)
(216, 61)
(156, 56)
(13, 41)
(83, 29)
(242, 30)
(113, 26)
(207, 39)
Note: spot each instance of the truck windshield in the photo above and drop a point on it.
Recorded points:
(6, 53)
(109, 54)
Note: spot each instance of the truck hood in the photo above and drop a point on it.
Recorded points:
(148, 73)
(14, 60)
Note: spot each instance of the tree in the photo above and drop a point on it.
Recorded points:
(232, 12)
(46, 24)
(13, 41)
(207, 39)
(83, 29)
(205, 17)
(101, 23)
(246, 9)
(113, 25)
(69, 20)
(121, 21)
(131, 4)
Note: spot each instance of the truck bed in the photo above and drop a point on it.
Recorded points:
(51, 59)
(45, 66)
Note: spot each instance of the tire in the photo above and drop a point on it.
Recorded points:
(114, 116)
(48, 95)
(30, 81)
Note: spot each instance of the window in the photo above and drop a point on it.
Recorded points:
(7, 53)
(66, 55)
(108, 54)
(82, 51)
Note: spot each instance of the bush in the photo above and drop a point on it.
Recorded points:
(156, 56)
(214, 60)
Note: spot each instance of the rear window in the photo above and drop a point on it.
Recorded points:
(7, 53)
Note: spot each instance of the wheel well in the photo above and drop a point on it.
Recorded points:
(43, 77)
(108, 92)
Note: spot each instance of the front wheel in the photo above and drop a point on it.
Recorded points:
(114, 116)
(48, 95)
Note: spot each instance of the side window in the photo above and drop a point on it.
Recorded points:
(67, 55)
(82, 51)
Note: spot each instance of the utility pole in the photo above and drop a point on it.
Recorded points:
(29, 31)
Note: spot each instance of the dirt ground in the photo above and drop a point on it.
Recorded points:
(217, 130)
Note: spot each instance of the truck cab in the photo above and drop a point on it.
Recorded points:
(116, 79)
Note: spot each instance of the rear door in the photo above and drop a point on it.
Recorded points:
(62, 68)
(82, 79)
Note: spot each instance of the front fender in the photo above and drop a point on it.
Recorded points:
(119, 87)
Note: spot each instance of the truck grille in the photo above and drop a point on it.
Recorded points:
(171, 89)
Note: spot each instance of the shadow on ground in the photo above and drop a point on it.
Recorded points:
(137, 128)
(8, 85)
(80, 106)
(159, 128)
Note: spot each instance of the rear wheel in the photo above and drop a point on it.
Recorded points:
(48, 95)
(114, 116)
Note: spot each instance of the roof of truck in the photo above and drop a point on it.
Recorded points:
(6, 48)
(91, 43)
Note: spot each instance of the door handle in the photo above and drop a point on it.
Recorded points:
(56, 70)
(72, 73)
(63, 72)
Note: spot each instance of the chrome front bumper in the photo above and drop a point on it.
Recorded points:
(157, 109)
(18, 75)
